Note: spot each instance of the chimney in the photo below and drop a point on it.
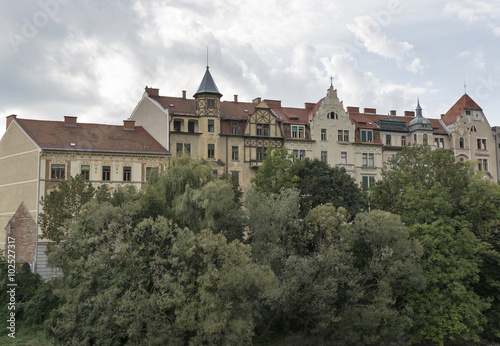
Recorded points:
(129, 125)
(70, 121)
(9, 120)
(184, 94)
(352, 109)
(393, 112)
(235, 98)
(308, 106)
(410, 114)
(257, 100)
(153, 91)
(371, 110)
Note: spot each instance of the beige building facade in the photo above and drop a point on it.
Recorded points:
(37, 155)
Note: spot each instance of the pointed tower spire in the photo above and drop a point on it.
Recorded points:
(207, 85)
(418, 109)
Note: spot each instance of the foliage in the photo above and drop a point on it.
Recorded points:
(339, 282)
(154, 283)
(448, 308)
(453, 213)
(64, 206)
(317, 182)
(275, 173)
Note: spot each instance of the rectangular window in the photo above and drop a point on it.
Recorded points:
(298, 131)
(387, 139)
(439, 142)
(265, 129)
(481, 143)
(343, 157)
(191, 126)
(177, 126)
(403, 141)
(211, 103)
(211, 151)
(483, 165)
(151, 170)
(323, 134)
(367, 136)
(234, 128)
(365, 160)
(57, 172)
(340, 136)
(371, 160)
(295, 154)
(85, 169)
(415, 139)
(187, 149)
(236, 176)
(179, 149)
(368, 182)
(260, 154)
(302, 155)
(346, 135)
(234, 153)
(211, 125)
(127, 173)
(324, 156)
(259, 127)
(106, 173)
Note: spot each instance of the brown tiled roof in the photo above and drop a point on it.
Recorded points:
(91, 137)
(367, 120)
(465, 102)
(185, 106)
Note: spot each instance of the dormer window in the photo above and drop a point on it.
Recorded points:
(367, 136)
(298, 131)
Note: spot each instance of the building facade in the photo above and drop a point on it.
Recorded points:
(233, 135)
(37, 155)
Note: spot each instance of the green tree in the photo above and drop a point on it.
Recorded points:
(339, 282)
(151, 282)
(64, 205)
(319, 184)
(453, 213)
(275, 173)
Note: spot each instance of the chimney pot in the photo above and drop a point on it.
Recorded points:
(256, 100)
(129, 125)
(393, 112)
(70, 120)
(153, 91)
(184, 94)
(9, 120)
(235, 98)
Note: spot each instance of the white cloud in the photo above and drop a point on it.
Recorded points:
(485, 13)
(369, 31)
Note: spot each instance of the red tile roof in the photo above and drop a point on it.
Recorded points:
(184, 106)
(91, 137)
(465, 102)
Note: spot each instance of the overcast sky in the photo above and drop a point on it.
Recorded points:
(93, 58)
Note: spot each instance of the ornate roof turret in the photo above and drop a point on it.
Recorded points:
(207, 85)
(419, 123)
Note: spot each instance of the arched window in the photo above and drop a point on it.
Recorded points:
(461, 142)
(425, 139)
(415, 138)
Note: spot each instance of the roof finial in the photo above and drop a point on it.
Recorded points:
(465, 86)
(207, 57)
(331, 80)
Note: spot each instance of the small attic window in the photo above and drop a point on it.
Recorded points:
(246, 110)
(294, 118)
(146, 147)
(467, 112)
(171, 105)
(72, 144)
